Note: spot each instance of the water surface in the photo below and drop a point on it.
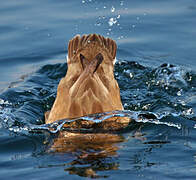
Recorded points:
(155, 70)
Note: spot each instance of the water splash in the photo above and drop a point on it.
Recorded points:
(112, 9)
(170, 75)
(143, 92)
(137, 117)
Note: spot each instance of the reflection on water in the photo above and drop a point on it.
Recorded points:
(90, 151)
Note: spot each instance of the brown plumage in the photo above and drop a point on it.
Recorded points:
(89, 86)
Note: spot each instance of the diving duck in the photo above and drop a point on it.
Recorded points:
(89, 86)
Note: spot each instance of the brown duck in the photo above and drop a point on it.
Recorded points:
(89, 86)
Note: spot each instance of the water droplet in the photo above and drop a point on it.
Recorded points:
(118, 16)
(121, 3)
(183, 103)
(131, 75)
(112, 21)
(104, 7)
(1, 101)
(190, 78)
(188, 112)
(164, 70)
(4, 102)
(179, 93)
(98, 24)
(112, 9)
(146, 107)
(83, 1)
(125, 105)
(138, 18)
(133, 26)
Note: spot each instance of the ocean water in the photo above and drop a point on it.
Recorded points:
(155, 70)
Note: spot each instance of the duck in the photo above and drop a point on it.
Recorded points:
(89, 86)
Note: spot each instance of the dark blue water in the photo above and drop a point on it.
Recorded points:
(155, 70)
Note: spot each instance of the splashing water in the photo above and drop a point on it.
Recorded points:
(140, 117)
(149, 96)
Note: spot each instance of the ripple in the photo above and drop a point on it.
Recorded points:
(150, 95)
(137, 117)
